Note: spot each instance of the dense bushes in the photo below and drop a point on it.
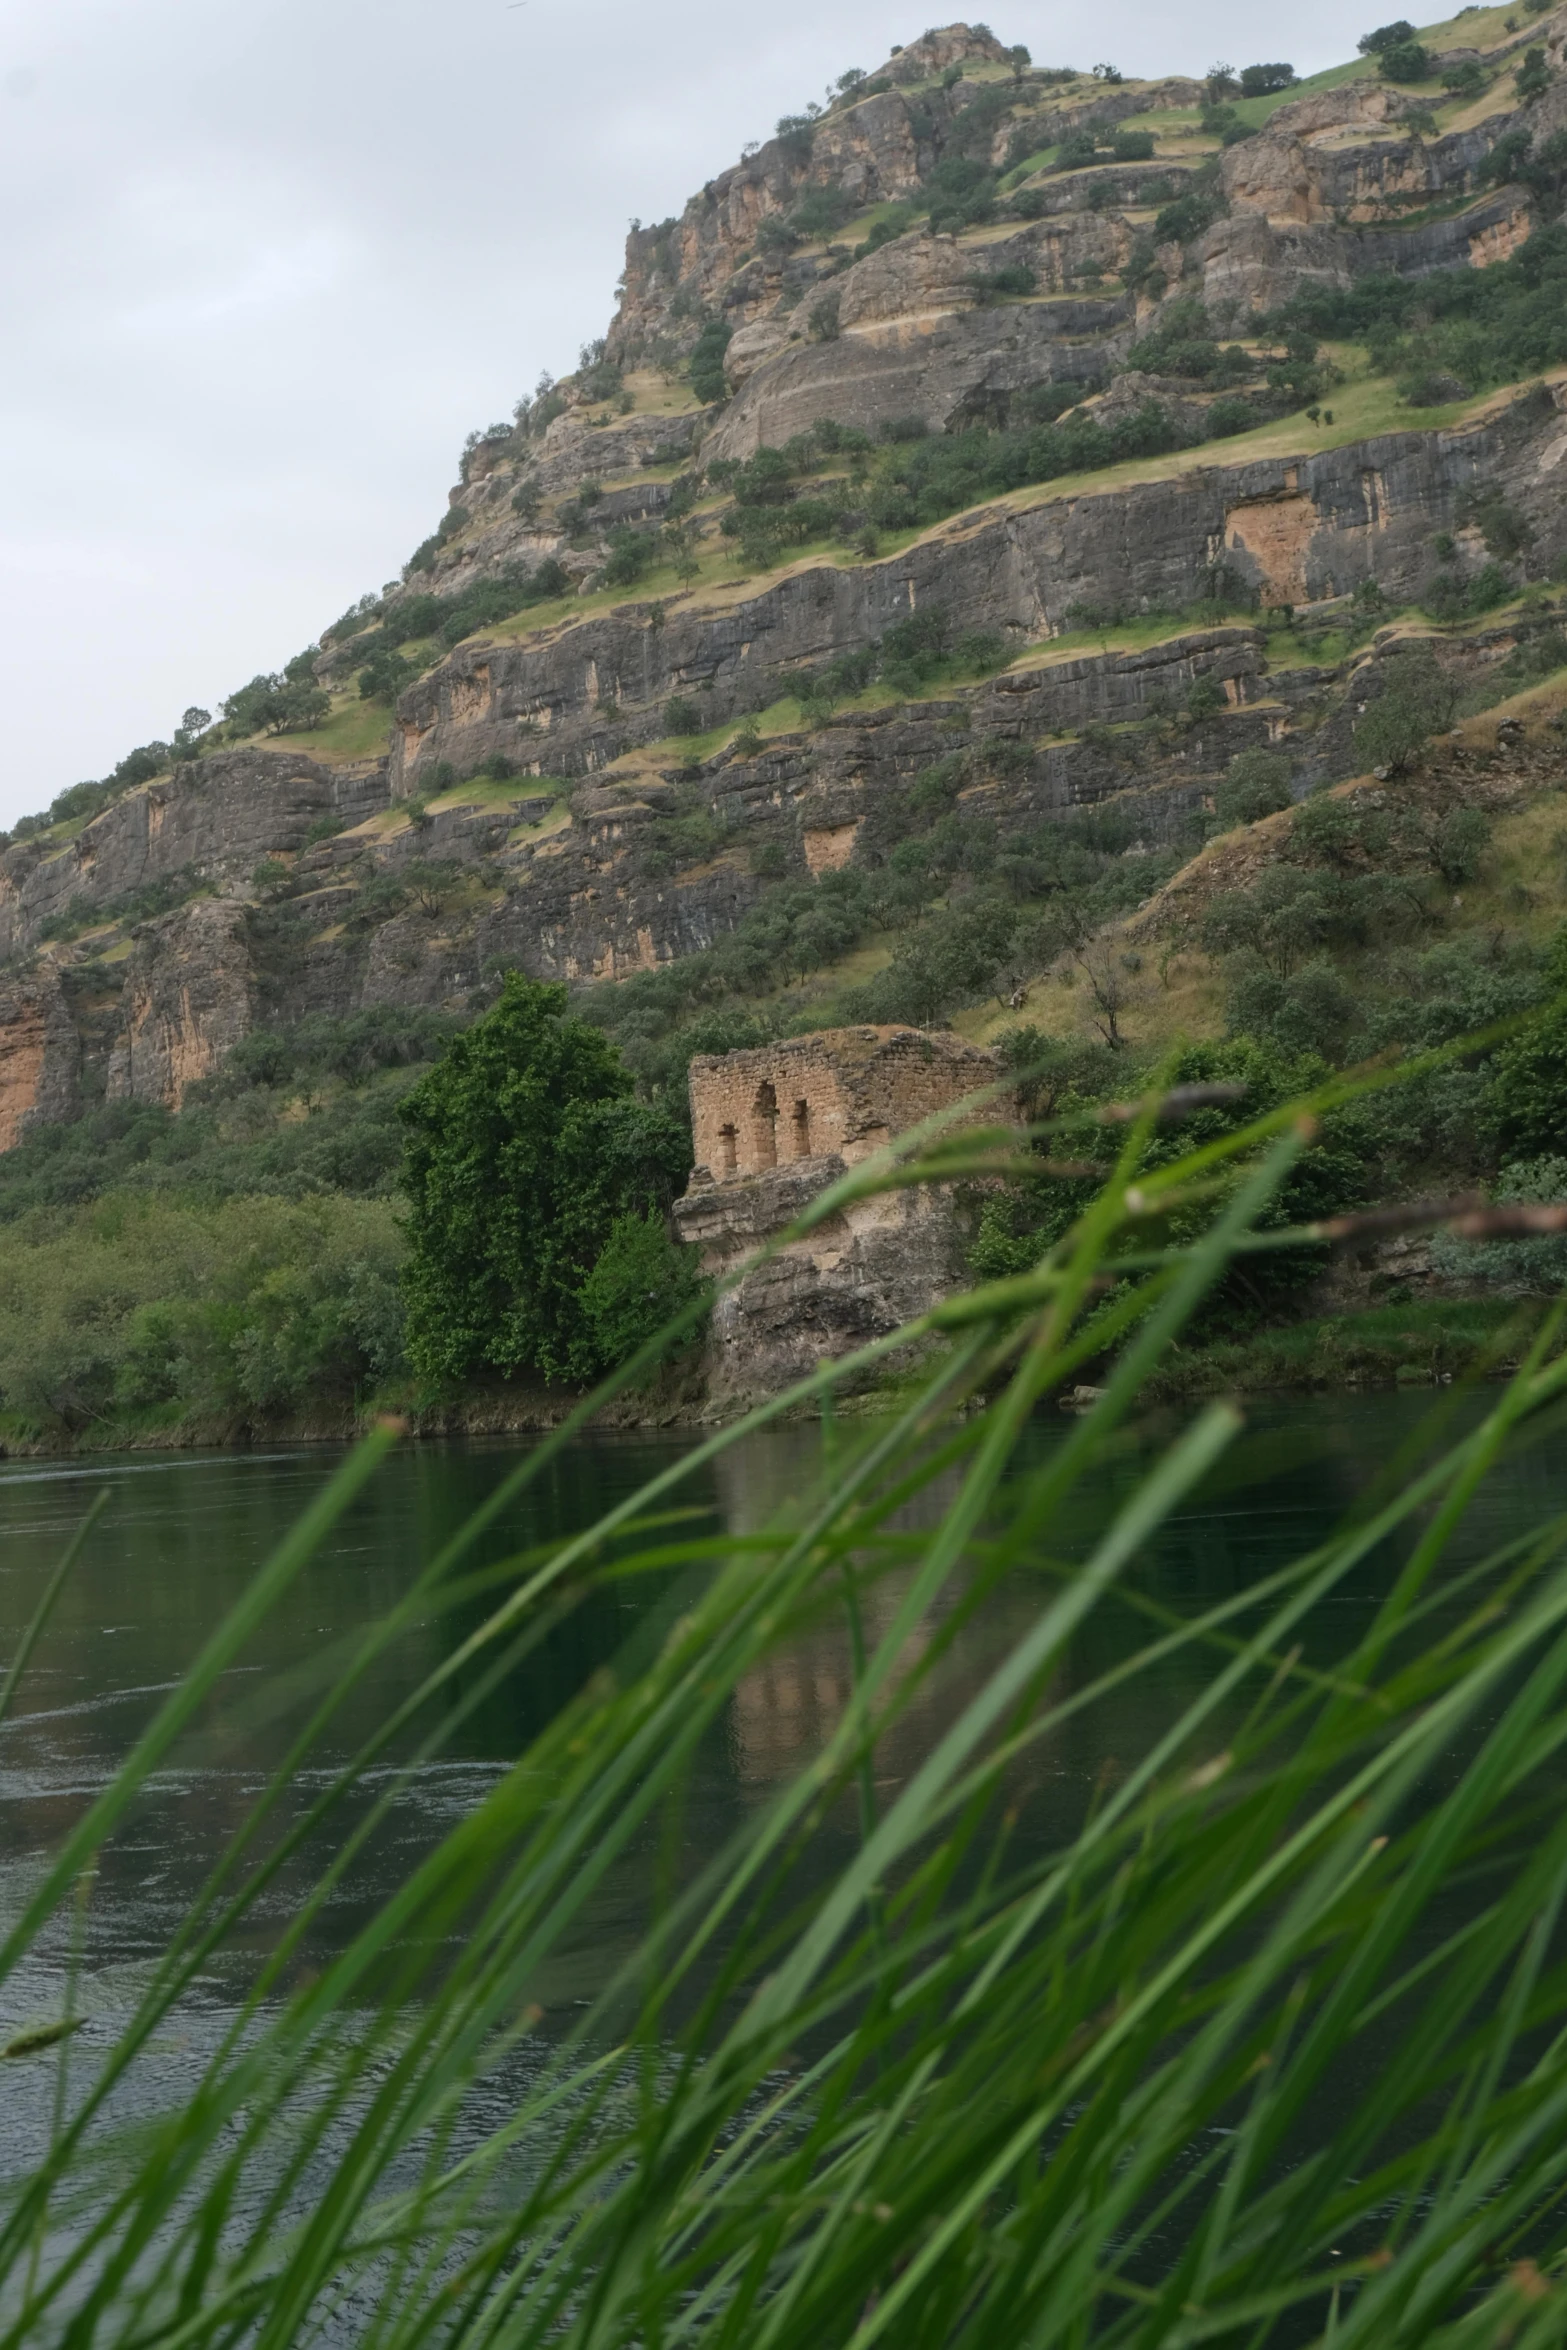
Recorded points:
(1183, 344)
(921, 482)
(960, 194)
(1478, 326)
(289, 702)
(446, 620)
(706, 367)
(1020, 1223)
(161, 1309)
(241, 1130)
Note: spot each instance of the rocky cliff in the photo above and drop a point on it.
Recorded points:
(642, 676)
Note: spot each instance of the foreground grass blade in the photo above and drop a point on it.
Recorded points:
(1264, 2043)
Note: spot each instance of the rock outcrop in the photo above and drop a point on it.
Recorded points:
(208, 823)
(188, 1000)
(773, 1129)
(40, 1055)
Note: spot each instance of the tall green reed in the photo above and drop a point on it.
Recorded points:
(1267, 2045)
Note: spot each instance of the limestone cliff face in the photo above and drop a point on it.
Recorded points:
(914, 339)
(188, 1001)
(863, 1274)
(879, 149)
(570, 864)
(212, 822)
(1297, 529)
(40, 1055)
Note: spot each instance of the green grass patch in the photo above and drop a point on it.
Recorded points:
(484, 791)
(356, 729)
(1394, 1345)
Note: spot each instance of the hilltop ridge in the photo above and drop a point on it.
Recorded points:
(1061, 435)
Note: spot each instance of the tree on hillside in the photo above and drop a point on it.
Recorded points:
(1386, 36)
(1257, 785)
(1417, 700)
(526, 1152)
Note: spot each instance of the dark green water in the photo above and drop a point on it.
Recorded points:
(183, 1535)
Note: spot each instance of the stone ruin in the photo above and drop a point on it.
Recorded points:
(773, 1128)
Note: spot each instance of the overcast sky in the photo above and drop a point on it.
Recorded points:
(263, 263)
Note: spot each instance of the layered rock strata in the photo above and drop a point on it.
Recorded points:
(265, 884)
(40, 1055)
(1296, 529)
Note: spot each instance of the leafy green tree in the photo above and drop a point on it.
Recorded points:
(1529, 1089)
(1405, 61)
(631, 554)
(1417, 700)
(824, 318)
(1312, 1011)
(525, 1147)
(1386, 36)
(1533, 78)
(1257, 785)
(1460, 844)
(641, 1281)
(385, 674)
(290, 703)
(706, 370)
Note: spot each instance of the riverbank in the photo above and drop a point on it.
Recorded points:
(1381, 1347)
(1402, 1345)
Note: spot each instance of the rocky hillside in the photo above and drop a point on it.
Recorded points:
(1060, 436)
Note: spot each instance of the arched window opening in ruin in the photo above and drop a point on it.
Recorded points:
(802, 1130)
(767, 1127)
(728, 1143)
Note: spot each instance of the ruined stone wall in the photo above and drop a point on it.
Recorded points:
(842, 1093)
(773, 1129)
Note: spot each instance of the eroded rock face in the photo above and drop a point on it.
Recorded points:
(214, 821)
(861, 1275)
(579, 876)
(1298, 530)
(188, 1001)
(952, 44)
(773, 1128)
(40, 1055)
(1261, 263)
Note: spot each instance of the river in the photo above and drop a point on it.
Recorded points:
(183, 1534)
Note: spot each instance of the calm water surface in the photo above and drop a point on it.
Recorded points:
(183, 1534)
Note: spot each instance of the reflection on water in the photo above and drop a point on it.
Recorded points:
(183, 1536)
